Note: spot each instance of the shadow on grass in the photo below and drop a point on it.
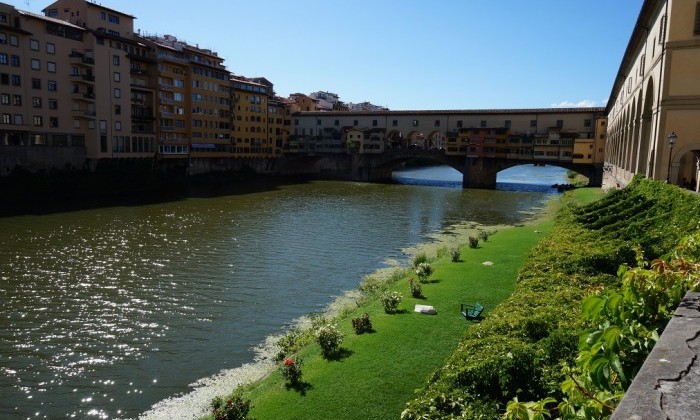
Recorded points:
(339, 355)
(300, 387)
(431, 281)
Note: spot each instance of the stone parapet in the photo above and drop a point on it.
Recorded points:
(668, 384)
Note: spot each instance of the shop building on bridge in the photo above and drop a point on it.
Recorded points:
(572, 135)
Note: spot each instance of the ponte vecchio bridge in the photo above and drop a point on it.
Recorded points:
(368, 146)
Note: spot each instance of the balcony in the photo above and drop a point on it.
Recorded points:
(84, 113)
(166, 128)
(88, 77)
(165, 86)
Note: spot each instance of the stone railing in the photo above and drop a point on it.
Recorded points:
(668, 384)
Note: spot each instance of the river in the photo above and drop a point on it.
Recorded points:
(107, 311)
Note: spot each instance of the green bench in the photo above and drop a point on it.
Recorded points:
(472, 311)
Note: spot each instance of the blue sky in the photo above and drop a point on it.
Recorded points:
(409, 54)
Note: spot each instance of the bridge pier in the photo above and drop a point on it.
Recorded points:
(480, 173)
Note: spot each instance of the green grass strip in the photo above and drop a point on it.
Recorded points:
(379, 372)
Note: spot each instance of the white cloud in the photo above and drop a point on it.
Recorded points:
(580, 104)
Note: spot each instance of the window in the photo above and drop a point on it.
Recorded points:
(459, 123)
(34, 44)
(336, 123)
(103, 15)
(6, 118)
(560, 123)
(76, 123)
(3, 58)
(51, 86)
(16, 80)
(38, 121)
(117, 93)
(117, 76)
(36, 64)
(14, 41)
(355, 123)
(395, 123)
(533, 123)
(115, 60)
(14, 61)
(3, 38)
(508, 123)
(118, 125)
(18, 119)
(36, 102)
(483, 123)
(17, 100)
(50, 48)
(437, 123)
(53, 122)
(117, 110)
(113, 19)
(51, 67)
(414, 123)
(5, 99)
(586, 123)
(696, 27)
(53, 104)
(374, 123)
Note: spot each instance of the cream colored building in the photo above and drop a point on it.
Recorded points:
(657, 93)
(101, 81)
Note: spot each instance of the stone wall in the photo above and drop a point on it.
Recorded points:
(668, 384)
(38, 158)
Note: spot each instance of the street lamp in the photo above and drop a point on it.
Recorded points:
(672, 138)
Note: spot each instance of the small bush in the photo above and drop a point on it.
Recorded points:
(289, 344)
(362, 324)
(442, 251)
(234, 407)
(370, 285)
(390, 301)
(291, 371)
(329, 338)
(483, 235)
(424, 270)
(473, 242)
(455, 254)
(420, 259)
(415, 287)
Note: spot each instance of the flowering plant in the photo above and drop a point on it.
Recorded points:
(329, 338)
(291, 371)
(235, 407)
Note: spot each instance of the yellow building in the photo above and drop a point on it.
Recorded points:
(654, 107)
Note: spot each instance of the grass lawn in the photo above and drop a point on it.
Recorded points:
(378, 373)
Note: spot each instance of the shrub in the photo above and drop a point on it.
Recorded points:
(370, 285)
(483, 235)
(424, 270)
(420, 259)
(234, 407)
(442, 251)
(291, 371)
(455, 254)
(329, 338)
(390, 301)
(415, 287)
(289, 344)
(362, 324)
(473, 242)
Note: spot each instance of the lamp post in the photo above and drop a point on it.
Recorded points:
(672, 138)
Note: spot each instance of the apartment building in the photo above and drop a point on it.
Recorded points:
(194, 117)
(101, 81)
(654, 107)
(39, 67)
